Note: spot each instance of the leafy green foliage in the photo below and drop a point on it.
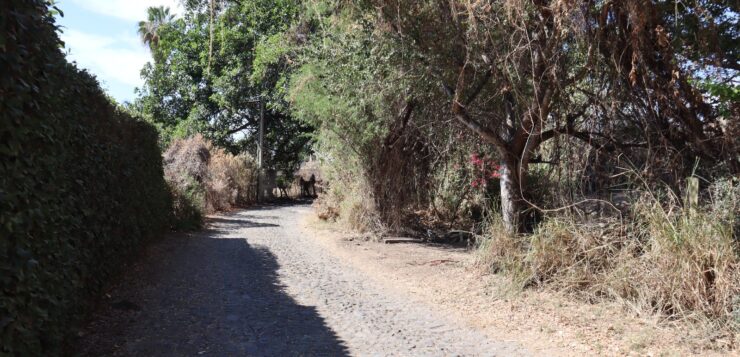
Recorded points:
(186, 207)
(189, 90)
(347, 85)
(81, 185)
(536, 82)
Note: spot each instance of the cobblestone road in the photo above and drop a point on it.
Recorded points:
(255, 285)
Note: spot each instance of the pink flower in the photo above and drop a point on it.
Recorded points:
(479, 182)
(475, 160)
(496, 173)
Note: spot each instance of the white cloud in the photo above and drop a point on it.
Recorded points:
(130, 10)
(118, 58)
(112, 51)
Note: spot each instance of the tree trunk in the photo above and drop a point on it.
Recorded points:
(511, 203)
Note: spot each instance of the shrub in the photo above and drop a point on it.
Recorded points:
(670, 260)
(81, 185)
(231, 180)
(454, 188)
(185, 170)
(689, 261)
(205, 179)
(186, 160)
(348, 199)
(186, 206)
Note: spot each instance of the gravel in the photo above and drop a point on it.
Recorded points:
(254, 284)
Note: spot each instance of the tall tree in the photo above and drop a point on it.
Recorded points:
(519, 73)
(149, 30)
(204, 81)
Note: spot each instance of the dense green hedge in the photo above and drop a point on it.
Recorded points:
(81, 184)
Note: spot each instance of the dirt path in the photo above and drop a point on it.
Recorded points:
(256, 284)
(546, 322)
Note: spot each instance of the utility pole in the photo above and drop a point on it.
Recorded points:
(259, 149)
(262, 133)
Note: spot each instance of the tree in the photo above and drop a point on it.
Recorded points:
(203, 80)
(519, 74)
(368, 128)
(502, 67)
(149, 30)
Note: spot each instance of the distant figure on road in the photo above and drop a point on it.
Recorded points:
(312, 185)
(308, 188)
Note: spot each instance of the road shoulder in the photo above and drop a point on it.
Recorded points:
(547, 323)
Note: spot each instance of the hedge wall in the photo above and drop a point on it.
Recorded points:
(81, 184)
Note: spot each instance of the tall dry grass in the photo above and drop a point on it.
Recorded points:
(664, 259)
(350, 203)
(348, 198)
(231, 180)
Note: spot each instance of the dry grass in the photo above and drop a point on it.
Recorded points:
(347, 198)
(350, 204)
(689, 263)
(574, 256)
(230, 180)
(681, 265)
(500, 251)
(206, 179)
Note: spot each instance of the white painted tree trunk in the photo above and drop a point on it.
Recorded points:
(510, 207)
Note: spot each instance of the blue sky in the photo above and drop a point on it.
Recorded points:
(100, 35)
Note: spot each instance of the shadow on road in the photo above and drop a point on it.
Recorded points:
(239, 222)
(206, 295)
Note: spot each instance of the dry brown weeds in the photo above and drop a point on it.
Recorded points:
(207, 177)
(668, 261)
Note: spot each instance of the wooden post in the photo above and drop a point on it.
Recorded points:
(691, 201)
